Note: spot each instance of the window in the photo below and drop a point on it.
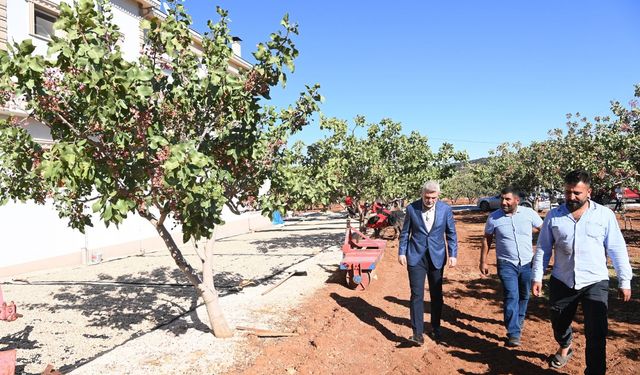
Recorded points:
(43, 22)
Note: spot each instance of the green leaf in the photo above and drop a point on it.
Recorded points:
(146, 75)
(144, 91)
(97, 206)
(95, 54)
(107, 214)
(171, 164)
(26, 47)
(36, 65)
(145, 24)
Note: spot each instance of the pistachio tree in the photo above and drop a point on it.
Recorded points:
(175, 134)
(606, 146)
(466, 183)
(300, 181)
(370, 161)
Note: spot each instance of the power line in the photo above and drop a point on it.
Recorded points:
(465, 140)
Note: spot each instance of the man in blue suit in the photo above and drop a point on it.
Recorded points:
(423, 251)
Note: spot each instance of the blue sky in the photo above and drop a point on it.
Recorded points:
(474, 73)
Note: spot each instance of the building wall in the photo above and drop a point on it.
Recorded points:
(33, 236)
(3, 24)
(126, 14)
(20, 21)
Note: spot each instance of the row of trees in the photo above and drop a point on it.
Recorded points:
(176, 135)
(384, 163)
(608, 147)
(367, 161)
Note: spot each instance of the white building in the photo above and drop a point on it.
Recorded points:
(33, 237)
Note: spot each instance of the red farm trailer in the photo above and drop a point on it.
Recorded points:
(360, 256)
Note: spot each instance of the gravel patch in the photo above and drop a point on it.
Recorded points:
(139, 315)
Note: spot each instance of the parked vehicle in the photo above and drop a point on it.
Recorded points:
(544, 203)
(628, 195)
(493, 202)
(609, 197)
(556, 197)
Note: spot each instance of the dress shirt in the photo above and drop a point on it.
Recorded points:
(428, 216)
(581, 247)
(513, 234)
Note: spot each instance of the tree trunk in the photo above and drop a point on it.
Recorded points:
(205, 287)
(210, 295)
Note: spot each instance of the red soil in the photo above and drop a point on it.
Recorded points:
(345, 331)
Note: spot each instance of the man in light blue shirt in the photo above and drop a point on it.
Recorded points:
(581, 234)
(513, 227)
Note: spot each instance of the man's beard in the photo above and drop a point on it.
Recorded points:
(575, 205)
(428, 206)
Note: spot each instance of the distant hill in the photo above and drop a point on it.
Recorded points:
(474, 161)
(479, 161)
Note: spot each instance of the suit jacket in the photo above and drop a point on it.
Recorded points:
(415, 240)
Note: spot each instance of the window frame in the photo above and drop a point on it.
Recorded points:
(38, 9)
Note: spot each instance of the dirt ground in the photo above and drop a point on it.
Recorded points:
(139, 314)
(346, 331)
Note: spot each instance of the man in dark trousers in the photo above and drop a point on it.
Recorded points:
(422, 250)
(581, 234)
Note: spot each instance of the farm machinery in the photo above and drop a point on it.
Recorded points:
(360, 256)
(379, 217)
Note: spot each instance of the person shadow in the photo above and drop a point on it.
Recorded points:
(452, 315)
(468, 342)
(372, 315)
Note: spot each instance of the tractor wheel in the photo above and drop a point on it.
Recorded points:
(484, 206)
(398, 229)
(390, 233)
(358, 282)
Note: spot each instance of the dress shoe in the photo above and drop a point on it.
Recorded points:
(436, 334)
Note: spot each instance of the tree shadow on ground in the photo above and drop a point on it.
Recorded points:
(454, 316)
(19, 340)
(336, 275)
(183, 323)
(626, 313)
(631, 236)
(499, 359)
(322, 240)
(162, 297)
(471, 217)
(489, 291)
(317, 216)
(371, 315)
(632, 353)
(308, 228)
(156, 296)
(475, 239)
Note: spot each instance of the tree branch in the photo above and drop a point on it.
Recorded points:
(163, 216)
(89, 199)
(198, 251)
(233, 207)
